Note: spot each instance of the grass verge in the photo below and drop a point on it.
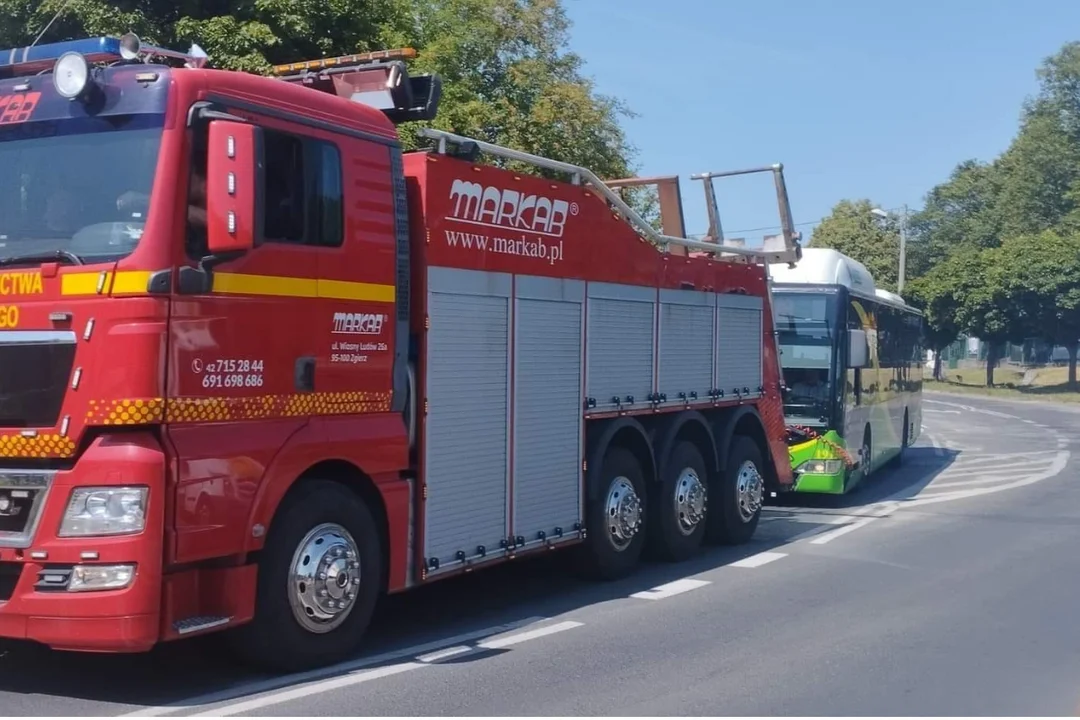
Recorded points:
(1045, 384)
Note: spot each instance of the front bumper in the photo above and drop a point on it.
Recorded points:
(819, 466)
(36, 598)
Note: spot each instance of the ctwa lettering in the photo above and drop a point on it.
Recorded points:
(506, 208)
(24, 283)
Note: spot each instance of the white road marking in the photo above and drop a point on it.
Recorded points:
(508, 640)
(841, 531)
(676, 587)
(356, 678)
(261, 686)
(993, 473)
(1058, 465)
(755, 561)
(313, 689)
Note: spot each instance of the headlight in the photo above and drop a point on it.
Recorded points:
(821, 467)
(105, 511)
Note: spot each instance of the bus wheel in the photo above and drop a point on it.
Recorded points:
(867, 457)
(319, 579)
(898, 459)
(678, 525)
(740, 493)
(616, 515)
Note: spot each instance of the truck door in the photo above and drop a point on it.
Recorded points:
(242, 355)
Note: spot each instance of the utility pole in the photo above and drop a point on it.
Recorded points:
(902, 270)
(903, 251)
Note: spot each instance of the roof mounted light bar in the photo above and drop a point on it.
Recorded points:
(36, 59)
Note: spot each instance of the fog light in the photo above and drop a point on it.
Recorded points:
(71, 75)
(87, 578)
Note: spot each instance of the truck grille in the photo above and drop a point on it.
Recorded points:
(22, 498)
(35, 367)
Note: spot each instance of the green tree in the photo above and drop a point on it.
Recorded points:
(935, 294)
(986, 306)
(853, 230)
(1042, 279)
(508, 77)
(962, 212)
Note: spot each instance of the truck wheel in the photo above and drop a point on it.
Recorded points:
(677, 526)
(739, 494)
(319, 579)
(615, 516)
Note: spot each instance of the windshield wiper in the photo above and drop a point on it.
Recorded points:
(57, 255)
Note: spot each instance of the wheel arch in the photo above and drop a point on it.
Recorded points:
(746, 421)
(354, 479)
(688, 425)
(626, 432)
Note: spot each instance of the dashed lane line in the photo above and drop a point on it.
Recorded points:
(756, 561)
(350, 666)
(671, 589)
(356, 678)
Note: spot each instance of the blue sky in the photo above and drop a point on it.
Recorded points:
(857, 99)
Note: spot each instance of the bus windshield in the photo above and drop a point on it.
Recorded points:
(76, 185)
(806, 325)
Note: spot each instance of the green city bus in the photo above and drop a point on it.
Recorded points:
(852, 359)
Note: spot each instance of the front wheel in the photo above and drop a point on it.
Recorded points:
(319, 579)
(740, 492)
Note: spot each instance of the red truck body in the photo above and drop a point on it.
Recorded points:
(432, 366)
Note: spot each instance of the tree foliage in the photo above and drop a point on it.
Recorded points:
(995, 250)
(508, 77)
(854, 230)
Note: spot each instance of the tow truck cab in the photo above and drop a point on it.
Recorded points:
(123, 520)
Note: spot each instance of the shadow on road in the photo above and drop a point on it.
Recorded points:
(513, 593)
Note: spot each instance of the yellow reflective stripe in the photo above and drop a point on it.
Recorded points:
(342, 290)
(131, 282)
(128, 282)
(80, 283)
(135, 282)
(237, 284)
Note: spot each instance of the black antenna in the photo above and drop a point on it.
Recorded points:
(49, 25)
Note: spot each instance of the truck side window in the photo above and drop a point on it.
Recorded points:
(303, 200)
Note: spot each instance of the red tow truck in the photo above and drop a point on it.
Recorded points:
(260, 366)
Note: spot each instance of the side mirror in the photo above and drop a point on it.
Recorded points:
(858, 349)
(234, 174)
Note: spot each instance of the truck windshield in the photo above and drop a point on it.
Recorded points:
(806, 326)
(76, 185)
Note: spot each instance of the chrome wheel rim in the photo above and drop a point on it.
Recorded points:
(749, 489)
(690, 501)
(324, 578)
(623, 511)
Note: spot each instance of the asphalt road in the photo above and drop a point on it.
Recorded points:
(946, 587)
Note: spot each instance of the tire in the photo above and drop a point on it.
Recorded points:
(736, 514)
(679, 504)
(898, 459)
(867, 452)
(314, 516)
(611, 550)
